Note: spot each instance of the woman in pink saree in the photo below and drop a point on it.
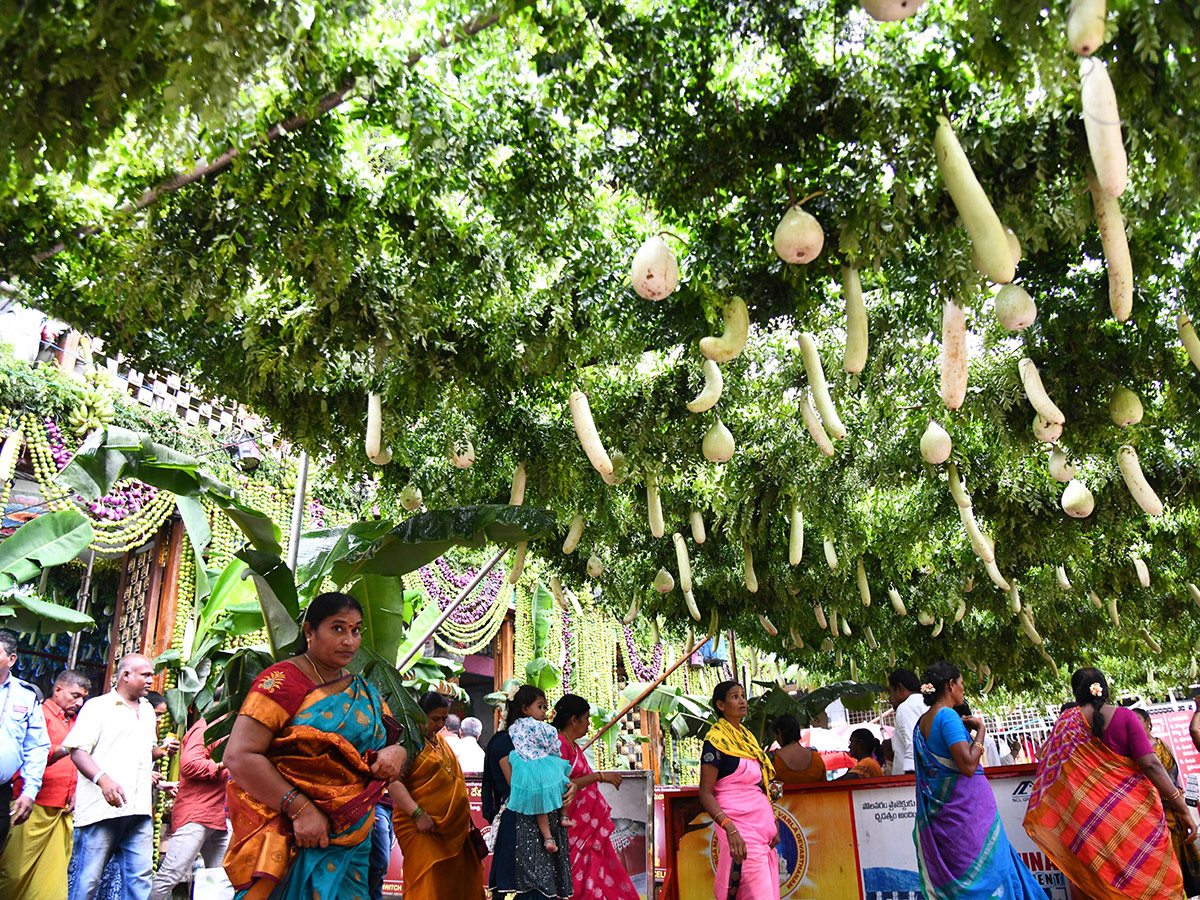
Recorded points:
(596, 872)
(735, 783)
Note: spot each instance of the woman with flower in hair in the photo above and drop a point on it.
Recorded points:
(962, 850)
(1095, 807)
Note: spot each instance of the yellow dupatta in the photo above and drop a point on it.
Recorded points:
(737, 740)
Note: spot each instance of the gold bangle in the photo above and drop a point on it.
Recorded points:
(307, 802)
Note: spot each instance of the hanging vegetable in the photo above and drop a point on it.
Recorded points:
(693, 610)
(820, 388)
(461, 452)
(574, 533)
(822, 623)
(1034, 390)
(767, 625)
(589, 438)
(1102, 122)
(664, 583)
(655, 271)
(1085, 26)
(1061, 469)
(831, 554)
(870, 636)
(814, 426)
(1044, 431)
(595, 567)
(1135, 481)
(1063, 582)
(954, 355)
(748, 566)
(1187, 333)
(634, 608)
(891, 10)
(713, 385)
(935, 444)
(410, 497)
(925, 618)
(516, 494)
(796, 537)
(854, 359)
(979, 542)
(1195, 592)
(864, 588)
(1014, 599)
(518, 565)
(1077, 500)
(983, 225)
(683, 562)
(998, 579)
(374, 439)
(1150, 641)
(897, 603)
(654, 506)
(1015, 308)
(957, 490)
(797, 641)
(1143, 571)
(1115, 244)
(618, 473)
(718, 445)
(697, 521)
(733, 340)
(798, 237)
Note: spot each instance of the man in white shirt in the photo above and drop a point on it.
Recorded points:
(114, 744)
(468, 751)
(904, 693)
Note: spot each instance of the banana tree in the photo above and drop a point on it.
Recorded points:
(49, 540)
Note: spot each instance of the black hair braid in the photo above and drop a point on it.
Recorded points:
(1081, 686)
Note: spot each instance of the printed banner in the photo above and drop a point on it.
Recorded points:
(1172, 727)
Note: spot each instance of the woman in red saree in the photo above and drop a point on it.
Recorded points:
(596, 872)
(1094, 809)
(308, 759)
(433, 818)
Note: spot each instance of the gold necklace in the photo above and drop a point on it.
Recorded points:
(317, 671)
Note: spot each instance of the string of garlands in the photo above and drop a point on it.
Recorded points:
(135, 529)
(443, 586)
(567, 667)
(45, 468)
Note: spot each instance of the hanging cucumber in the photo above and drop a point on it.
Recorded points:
(820, 388)
(796, 537)
(854, 359)
(654, 506)
(589, 437)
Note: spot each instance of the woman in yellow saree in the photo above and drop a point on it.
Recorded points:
(308, 759)
(433, 818)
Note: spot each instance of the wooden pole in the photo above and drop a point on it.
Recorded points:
(646, 693)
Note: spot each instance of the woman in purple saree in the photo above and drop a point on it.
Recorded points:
(962, 851)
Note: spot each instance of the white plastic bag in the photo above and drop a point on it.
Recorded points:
(212, 884)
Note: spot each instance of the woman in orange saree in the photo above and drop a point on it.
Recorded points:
(308, 759)
(433, 819)
(1095, 810)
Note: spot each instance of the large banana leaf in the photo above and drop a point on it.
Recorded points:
(345, 553)
(48, 540)
(276, 588)
(24, 611)
(382, 673)
(384, 602)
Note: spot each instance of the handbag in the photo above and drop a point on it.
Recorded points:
(393, 729)
(478, 842)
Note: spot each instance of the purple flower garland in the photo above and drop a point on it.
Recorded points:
(643, 671)
(567, 667)
(474, 607)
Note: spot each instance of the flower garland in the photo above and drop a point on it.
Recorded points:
(475, 607)
(568, 666)
(633, 660)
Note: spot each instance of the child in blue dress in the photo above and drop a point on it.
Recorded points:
(539, 773)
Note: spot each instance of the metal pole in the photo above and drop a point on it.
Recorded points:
(298, 511)
(646, 693)
(85, 588)
(462, 595)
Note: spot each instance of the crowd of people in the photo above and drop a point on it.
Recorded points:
(314, 785)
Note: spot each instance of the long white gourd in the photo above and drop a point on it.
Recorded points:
(796, 537)
(1150, 641)
(854, 359)
(925, 618)
(897, 602)
(870, 636)
(1102, 121)
(516, 493)
(864, 588)
(846, 627)
(798, 236)
(518, 565)
(1060, 467)
(1195, 592)
(1063, 582)
(1143, 571)
(733, 340)
(1139, 488)
(820, 388)
(574, 533)
(814, 426)
(1187, 334)
(683, 563)
(1125, 407)
(374, 439)
(822, 622)
(1049, 661)
(714, 383)
(1085, 26)
(619, 473)
(748, 569)
(957, 490)
(654, 511)
(988, 237)
(595, 566)
(954, 355)
(1046, 432)
(1095, 600)
(697, 521)
(1115, 244)
(1112, 612)
(1030, 631)
(634, 608)
(693, 610)
(589, 438)
(797, 641)
(937, 628)
(768, 625)
(1014, 599)
(831, 554)
(960, 609)
(975, 535)
(1031, 380)
(833, 622)
(998, 579)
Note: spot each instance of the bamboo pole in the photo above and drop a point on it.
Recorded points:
(297, 511)
(462, 595)
(646, 693)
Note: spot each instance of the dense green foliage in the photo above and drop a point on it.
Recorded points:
(457, 236)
